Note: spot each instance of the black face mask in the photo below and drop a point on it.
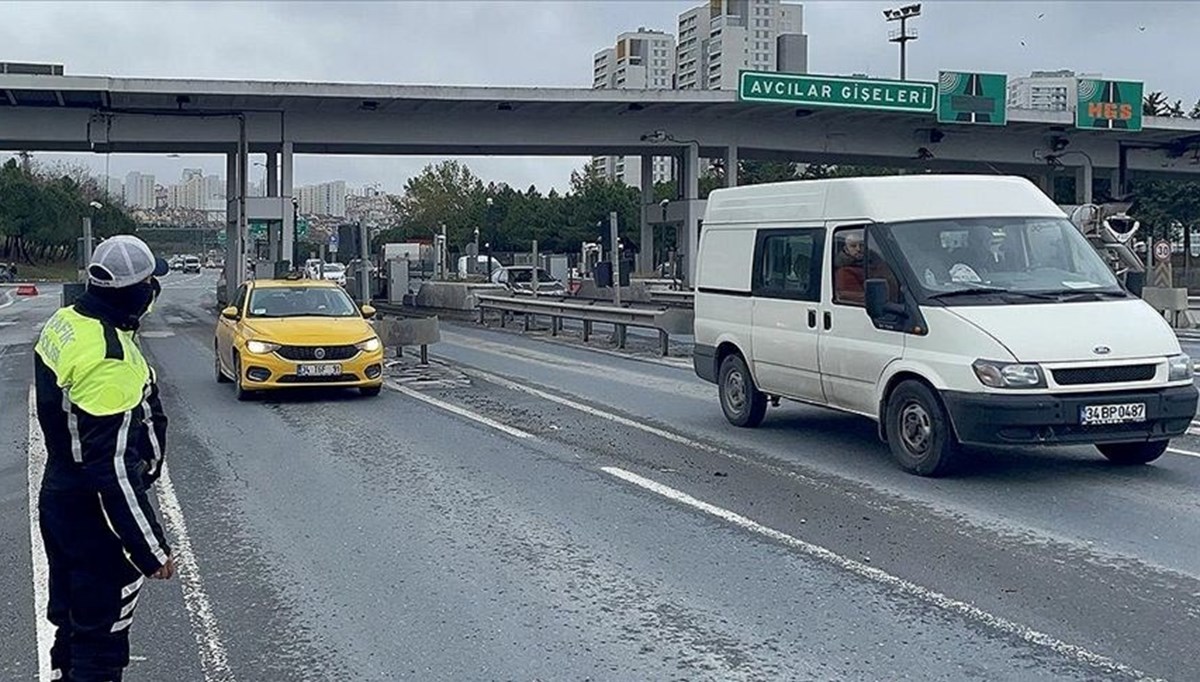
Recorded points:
(122, 307)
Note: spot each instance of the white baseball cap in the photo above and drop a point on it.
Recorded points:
(122, 261)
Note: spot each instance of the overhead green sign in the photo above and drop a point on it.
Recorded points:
(972, 98)
(833, 91)
(1108, 105)
(258, 229)
(302, 228)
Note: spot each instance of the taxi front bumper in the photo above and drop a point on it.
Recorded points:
(271, 371)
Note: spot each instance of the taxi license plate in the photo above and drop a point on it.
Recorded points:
(1090, 415)
(325, 370)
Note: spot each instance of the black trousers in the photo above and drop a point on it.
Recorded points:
(93, 589)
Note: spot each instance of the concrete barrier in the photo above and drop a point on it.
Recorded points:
(1171, 302)
(399, 332)
(453, 295)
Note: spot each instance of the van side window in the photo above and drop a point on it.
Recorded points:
(855, 260)
(787, 264)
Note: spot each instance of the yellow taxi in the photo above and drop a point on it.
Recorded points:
(294, 333)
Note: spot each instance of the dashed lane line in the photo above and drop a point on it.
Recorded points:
(936, 599)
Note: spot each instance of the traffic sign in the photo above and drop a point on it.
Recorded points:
(972, 98)
(258, 229)
(835, 91)
(302, 228)
(1194, 244)
(1108, 105)
(333, 241)
(1162, 251)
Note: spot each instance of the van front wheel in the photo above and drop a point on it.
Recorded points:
(742, 402)
(919, 431)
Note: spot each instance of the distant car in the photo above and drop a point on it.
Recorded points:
(176, 263)
(481, 266)
(519, 280)
(334, 272)
(210, 264)
(191, 264)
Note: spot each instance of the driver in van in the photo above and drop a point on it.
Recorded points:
(849, 275)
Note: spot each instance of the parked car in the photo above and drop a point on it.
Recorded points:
(519, 279)
(481, 266)
(893, 299)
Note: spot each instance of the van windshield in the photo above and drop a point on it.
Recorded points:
(1034, 257)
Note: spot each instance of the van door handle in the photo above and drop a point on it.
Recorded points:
(812, 319)
(828, 320)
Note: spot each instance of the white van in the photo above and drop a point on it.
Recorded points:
(951, 309)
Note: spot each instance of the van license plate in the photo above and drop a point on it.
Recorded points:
(1090, 415)
(326, 370)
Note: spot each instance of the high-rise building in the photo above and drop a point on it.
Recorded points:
(640, 60)
(113, 187)
(325, 199)
(1046, 90)
(140, 192)
(723, 37)
(198, 192)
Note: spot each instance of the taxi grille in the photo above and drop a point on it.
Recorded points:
(339, 379)
(1104, 375)
(309, 353)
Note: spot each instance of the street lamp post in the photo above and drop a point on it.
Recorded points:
(492, 225)
(902, 34)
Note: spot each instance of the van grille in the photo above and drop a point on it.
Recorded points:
(1104, 375)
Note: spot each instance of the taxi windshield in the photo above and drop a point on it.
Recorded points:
(1002, 255)
(301, 302)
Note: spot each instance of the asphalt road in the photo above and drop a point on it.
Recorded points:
(541, 511)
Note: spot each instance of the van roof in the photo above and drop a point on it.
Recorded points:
(879, 199)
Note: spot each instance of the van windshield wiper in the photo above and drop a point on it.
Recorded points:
(993, 290)
(1084, 294)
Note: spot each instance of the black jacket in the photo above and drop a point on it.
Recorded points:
(118, 456)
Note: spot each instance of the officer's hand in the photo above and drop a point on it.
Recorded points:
(166, 571)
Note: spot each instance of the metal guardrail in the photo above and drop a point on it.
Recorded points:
(665, 320)
(682, 297)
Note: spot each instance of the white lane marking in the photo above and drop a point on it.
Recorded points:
(8, 295)
(213, 659)
(911, 589)
(595, 412)
(462, 412)
(1188, 453)
(41, 570)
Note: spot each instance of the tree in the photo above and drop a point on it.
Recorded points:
(1155, 104)
(1195, 112)
(446, 193)
(41, 213)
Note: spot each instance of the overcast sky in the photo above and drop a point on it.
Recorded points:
(532, 43)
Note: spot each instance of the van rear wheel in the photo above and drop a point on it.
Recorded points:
(741, 401)
(919, 431)
(1133, 453)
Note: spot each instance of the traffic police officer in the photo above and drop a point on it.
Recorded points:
(105, 433)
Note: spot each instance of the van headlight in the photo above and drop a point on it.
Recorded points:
(370, 345)
(261, 347)
(1179, 368)
(1009, 375)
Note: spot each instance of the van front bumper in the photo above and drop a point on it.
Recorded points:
(990, 419)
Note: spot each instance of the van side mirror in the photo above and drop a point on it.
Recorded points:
(876, 296)
(230, 313)
(1135, 283)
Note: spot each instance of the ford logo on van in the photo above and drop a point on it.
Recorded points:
(1101, 350)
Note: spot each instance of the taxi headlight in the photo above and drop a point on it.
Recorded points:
(370, 345)
(1009, 375)
(1179, 368)
(261, 347)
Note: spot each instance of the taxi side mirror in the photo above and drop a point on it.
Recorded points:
(368, 312)
(230, 313)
